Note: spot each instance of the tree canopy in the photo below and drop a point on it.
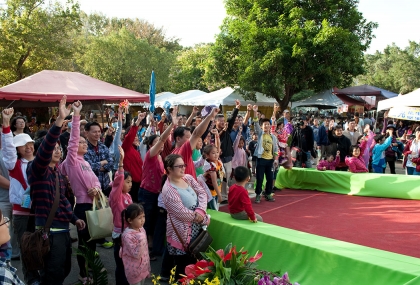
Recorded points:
(34, 37)
(282, 47)
(394, 69)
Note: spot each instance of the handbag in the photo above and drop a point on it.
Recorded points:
(100, 219)
(200, 244)
(35, 246)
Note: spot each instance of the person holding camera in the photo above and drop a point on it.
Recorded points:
(303, 140)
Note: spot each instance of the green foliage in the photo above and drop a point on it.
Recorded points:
(282, 47)
(124, 60)
(188, 71)
(34, 36)
(394, 69)
(93, 261)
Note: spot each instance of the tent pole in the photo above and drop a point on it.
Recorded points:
(101, 107)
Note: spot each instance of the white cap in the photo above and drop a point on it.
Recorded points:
(21, 140)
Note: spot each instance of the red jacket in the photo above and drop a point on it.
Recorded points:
(132, 158)
(238, 201)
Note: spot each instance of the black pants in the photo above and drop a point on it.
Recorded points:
(58, 261)
(391, 164)
(160, 232)
(264, 166)
(120, 277)
(84, 236)
(181, 261)
(167, 264)
(134, 192)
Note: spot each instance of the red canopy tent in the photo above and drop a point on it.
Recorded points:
(47, 87)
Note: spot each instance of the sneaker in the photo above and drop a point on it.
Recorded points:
(270, 198)
(258, 199)
(107, 244)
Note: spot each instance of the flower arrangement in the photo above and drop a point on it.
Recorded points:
(230, 267)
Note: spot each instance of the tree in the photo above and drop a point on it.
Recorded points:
(394, 69)
(282, 47)
(124, 60)
(188, 71)
(34, 36)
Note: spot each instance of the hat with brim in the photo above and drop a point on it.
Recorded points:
(391, 126)
(21, 140)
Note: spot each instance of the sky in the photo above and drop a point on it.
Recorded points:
(198, 21)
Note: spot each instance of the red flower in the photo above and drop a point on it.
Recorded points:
(221, 253)
(256, 257)
(204, 263)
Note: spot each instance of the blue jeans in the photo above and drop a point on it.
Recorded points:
(264, 166)
(377, 168)
(410, 170)
(308, 163)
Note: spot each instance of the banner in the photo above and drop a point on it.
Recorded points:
(405, 113)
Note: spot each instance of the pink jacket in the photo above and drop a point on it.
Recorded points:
(118, 201)
(135, 255)
(78, 170)
(329, 165)
(239, 158)
(356, 164)
(181, 216)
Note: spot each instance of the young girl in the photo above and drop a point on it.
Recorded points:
(213, 172)
(328, 163)
(356, 163)
(239, 158)
(119, 199)
(134, 250)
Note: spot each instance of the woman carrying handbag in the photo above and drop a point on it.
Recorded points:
(84, 182)
(186, 203)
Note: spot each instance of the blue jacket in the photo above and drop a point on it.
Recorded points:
(378, 150)
(259, 149)
(322, 136)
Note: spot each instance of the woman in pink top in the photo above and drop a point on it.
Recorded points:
(119, 200)
(84, 182)
(151, 183)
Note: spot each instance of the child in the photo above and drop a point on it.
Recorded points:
(239, 158)
(213, 174)
(251, 148)
(134, 249)
(119, 199)
(355, 162)
(378, 152)
(329, 163)
(238, 200)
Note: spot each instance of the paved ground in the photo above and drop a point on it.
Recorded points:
(107, 256)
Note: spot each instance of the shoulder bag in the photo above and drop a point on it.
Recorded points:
(35, 246)
(100, 219)
(200, 244)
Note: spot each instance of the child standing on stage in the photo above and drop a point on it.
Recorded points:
(134, 249)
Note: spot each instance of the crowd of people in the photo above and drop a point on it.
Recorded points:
(161, 174)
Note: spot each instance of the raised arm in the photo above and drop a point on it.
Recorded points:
(201, 128)
(257, 127)
(73, 145)
(156, 148)
(248, 114)
(191, 117)
(117, 139)
(9, 150)
(129, 138)
(215, 133)
(231, 120)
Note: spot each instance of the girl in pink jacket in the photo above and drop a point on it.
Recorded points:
(119, 200)
(134, 249)
(356, 163)
(329, 163)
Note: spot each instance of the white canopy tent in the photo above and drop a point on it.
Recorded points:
(224, 97)
(411, 99)
(164, 96)
(179, 99)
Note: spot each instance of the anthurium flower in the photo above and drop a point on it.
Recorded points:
(256, 257)
(204, 263)
(220, 253)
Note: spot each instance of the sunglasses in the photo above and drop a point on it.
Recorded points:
(5, 221)
(180, 166)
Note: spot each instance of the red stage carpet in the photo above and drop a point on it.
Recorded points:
(387, 224)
